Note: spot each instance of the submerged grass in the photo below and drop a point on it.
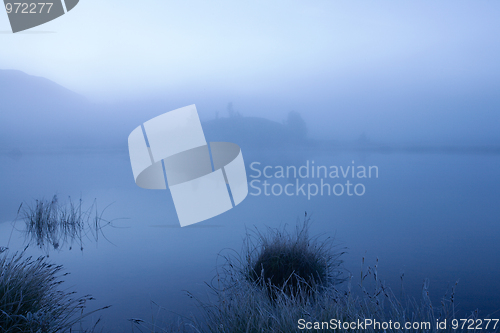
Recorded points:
(281, 278)
(30, 298)
(51, 225)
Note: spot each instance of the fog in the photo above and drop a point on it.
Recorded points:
(40, 112)
(408, 87)
(399, 71)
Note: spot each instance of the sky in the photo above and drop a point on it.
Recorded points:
(350, 61)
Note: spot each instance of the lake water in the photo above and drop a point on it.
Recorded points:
(434, 216)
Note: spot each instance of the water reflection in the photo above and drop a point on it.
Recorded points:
(52, 225)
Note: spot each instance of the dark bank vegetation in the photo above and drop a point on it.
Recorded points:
(32, 300)
(282, 281)
(291, 263)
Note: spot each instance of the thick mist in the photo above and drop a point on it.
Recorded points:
(399, 72)
(409, 89)
(38, 112)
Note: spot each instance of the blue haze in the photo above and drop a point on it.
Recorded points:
(411, 87)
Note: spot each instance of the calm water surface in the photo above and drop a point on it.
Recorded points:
(432, 216)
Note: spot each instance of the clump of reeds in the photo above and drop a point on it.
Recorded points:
(241, 306)
(51, 225)
(30, 300)
(240, 299)
(292, 263)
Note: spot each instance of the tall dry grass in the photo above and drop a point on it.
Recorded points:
(31, 299)
(266, 289)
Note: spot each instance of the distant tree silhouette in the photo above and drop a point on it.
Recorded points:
(231, 112)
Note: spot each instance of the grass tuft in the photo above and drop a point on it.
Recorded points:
(30, 299)
(303, 277)
(292, 263)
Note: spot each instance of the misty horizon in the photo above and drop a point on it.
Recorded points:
(445, 126)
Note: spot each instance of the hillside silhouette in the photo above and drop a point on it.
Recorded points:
(37, 112)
